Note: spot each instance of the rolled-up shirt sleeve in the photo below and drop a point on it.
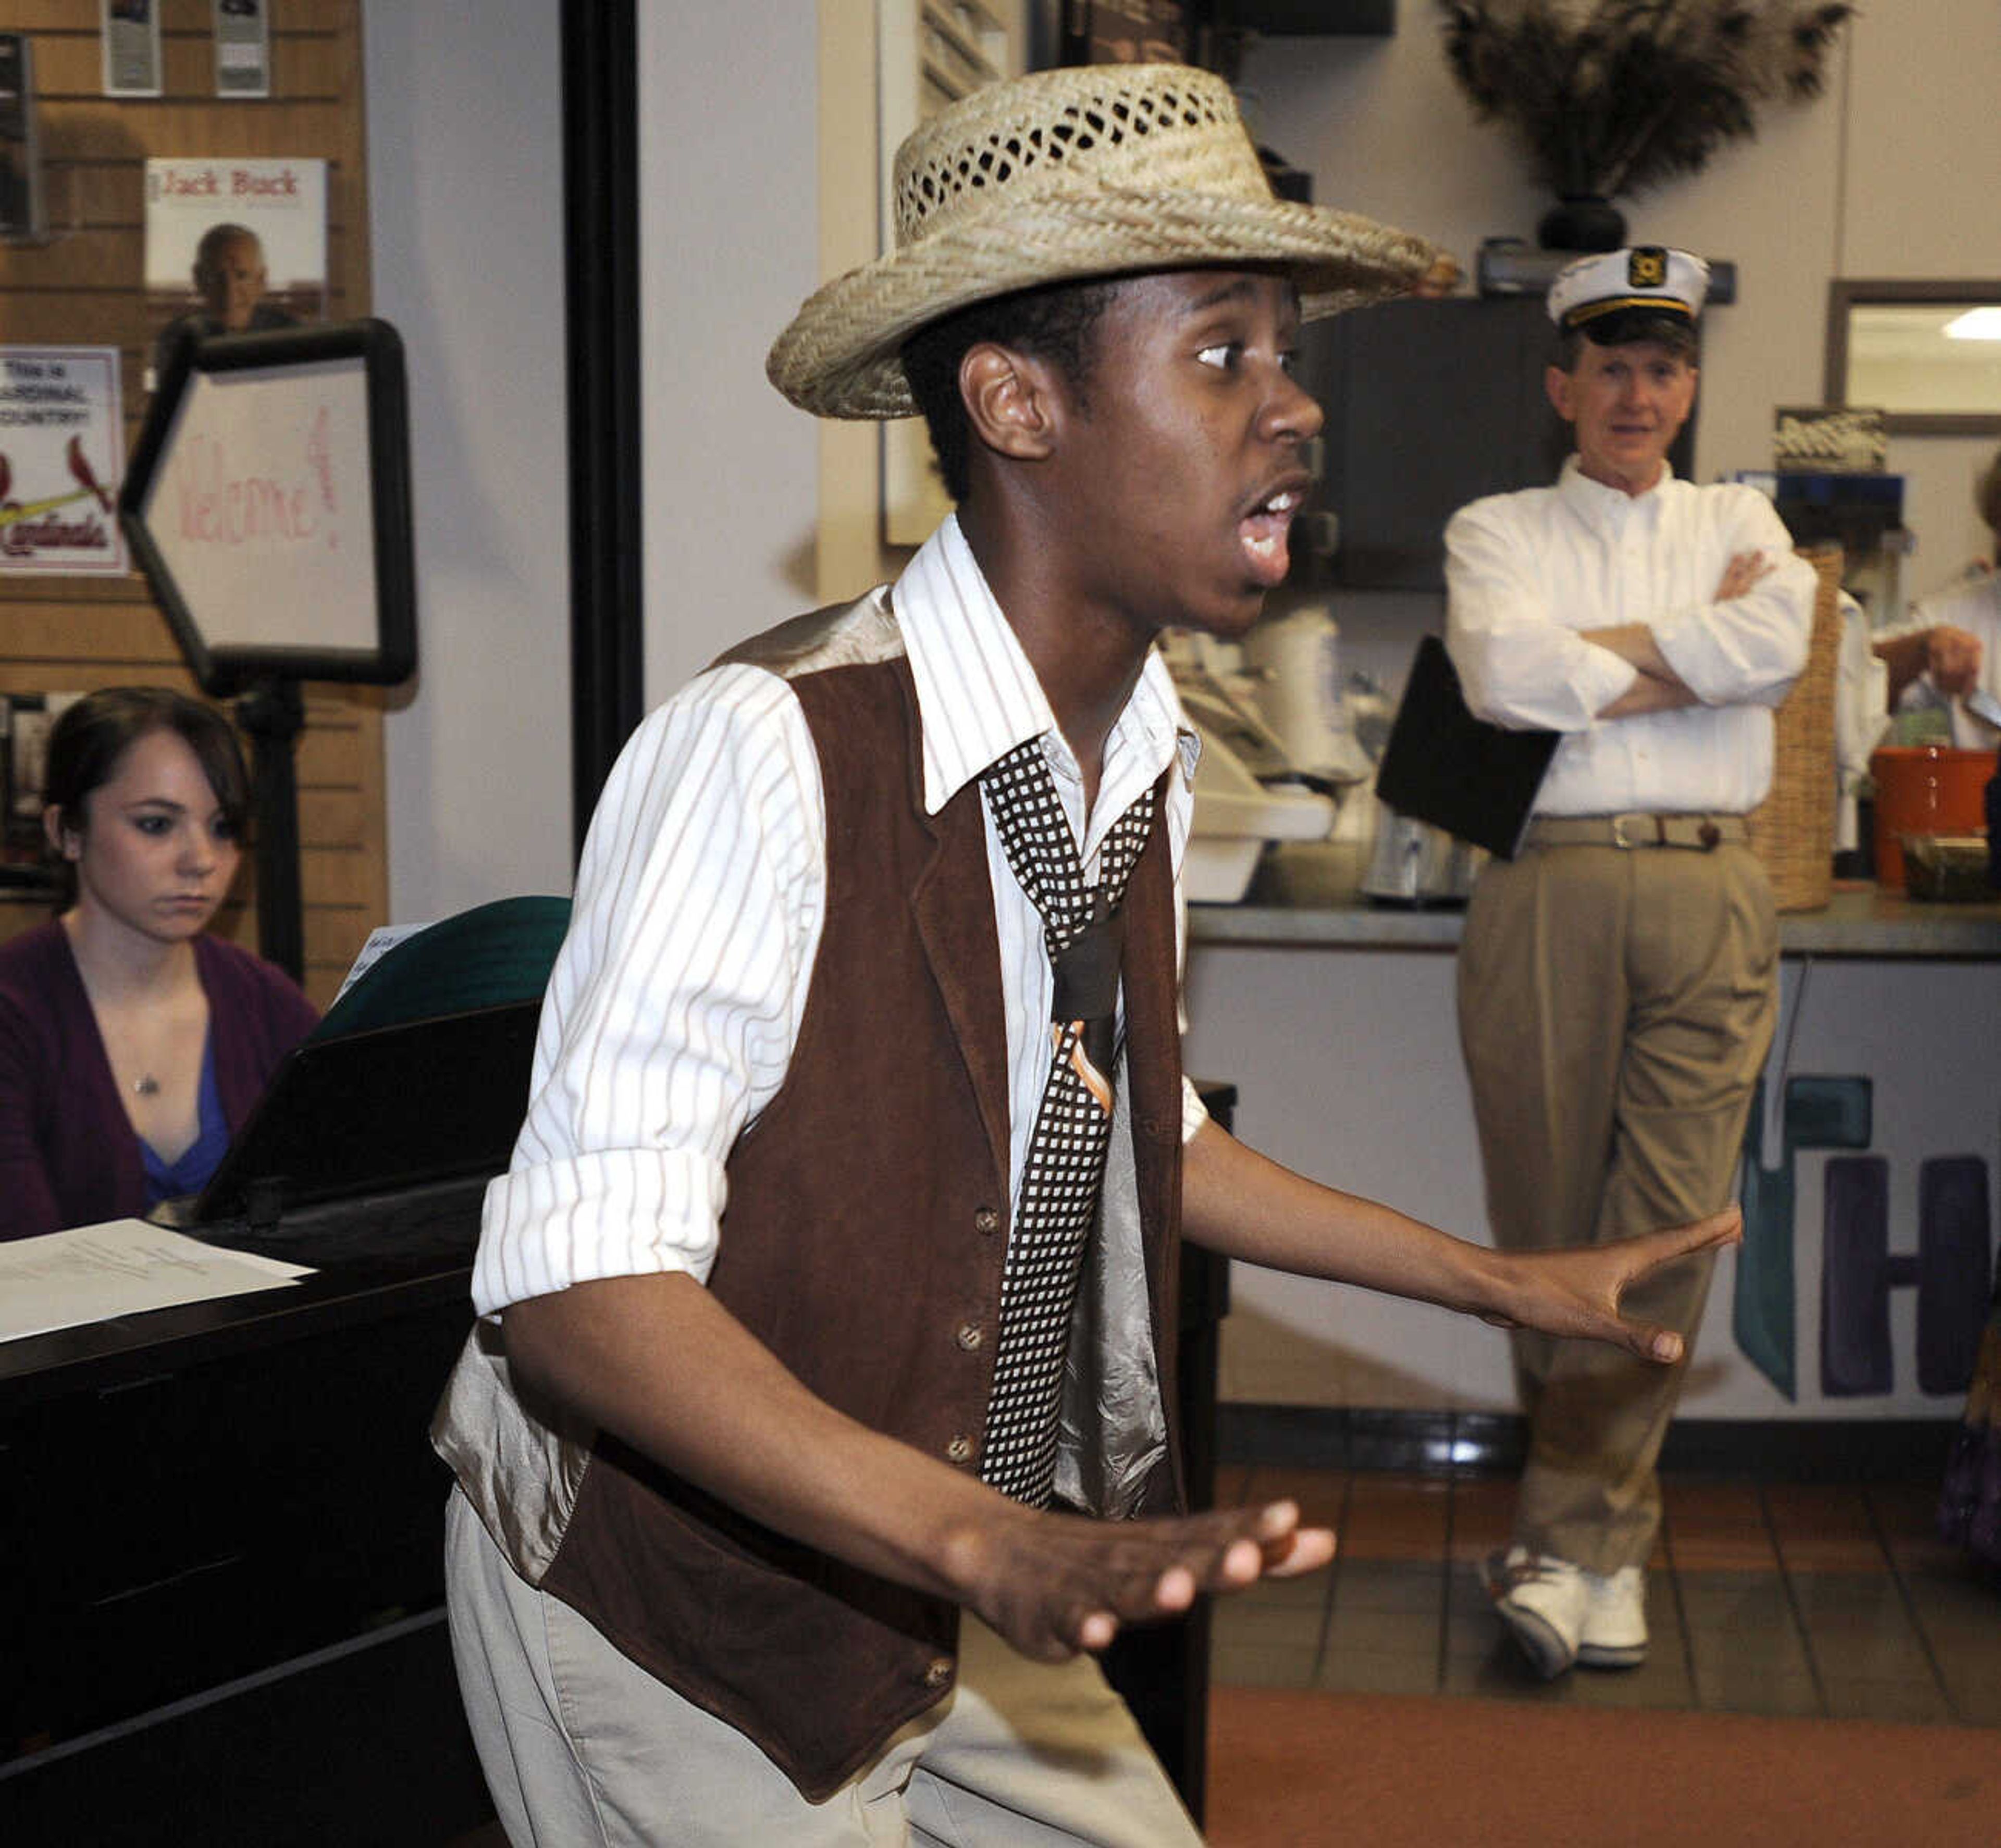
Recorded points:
(674, 1004)
(1745, 650)
(1519, 666)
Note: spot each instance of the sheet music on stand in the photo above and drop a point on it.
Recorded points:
(1442, 765)
(123, 1267)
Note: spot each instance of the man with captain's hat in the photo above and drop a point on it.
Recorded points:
(832, 1287)
(1623, 295)
(1618, 977)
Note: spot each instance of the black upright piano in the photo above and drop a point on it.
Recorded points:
(221, 1578)
(221, 1524)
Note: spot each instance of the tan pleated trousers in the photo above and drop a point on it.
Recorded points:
(583, 1748)
(1615, 1006)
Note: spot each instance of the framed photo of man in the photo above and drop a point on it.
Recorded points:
(233, 245)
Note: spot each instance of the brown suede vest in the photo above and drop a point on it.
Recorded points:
(863, 1243)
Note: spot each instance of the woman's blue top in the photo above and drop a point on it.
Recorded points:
(190, 1174)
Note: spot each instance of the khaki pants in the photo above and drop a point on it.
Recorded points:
(1615, 1006)
(583, 1748)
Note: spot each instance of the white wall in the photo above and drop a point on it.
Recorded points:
(729, 237)
(465, 122)
(465, 210)
(1923, 146)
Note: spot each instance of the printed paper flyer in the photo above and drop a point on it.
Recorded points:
(62, 455)
(130, 33)
(243, 48)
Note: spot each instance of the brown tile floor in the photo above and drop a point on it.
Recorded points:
(1835, 1599)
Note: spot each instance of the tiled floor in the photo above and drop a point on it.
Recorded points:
(1781, 1598)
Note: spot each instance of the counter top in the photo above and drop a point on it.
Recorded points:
(1859, 921)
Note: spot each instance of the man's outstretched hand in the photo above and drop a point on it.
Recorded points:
(1054, 1584)
(1576, 1291)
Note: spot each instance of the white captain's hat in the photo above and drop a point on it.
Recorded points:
(1646, 291)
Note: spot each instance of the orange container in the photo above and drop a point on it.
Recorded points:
(1926, 789)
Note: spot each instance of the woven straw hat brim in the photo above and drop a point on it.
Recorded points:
(841, 355)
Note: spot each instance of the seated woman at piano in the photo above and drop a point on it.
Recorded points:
(133, 1042)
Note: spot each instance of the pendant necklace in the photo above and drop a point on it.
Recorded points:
(146, 1085)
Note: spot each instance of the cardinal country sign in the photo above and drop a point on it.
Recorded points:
(61, 456)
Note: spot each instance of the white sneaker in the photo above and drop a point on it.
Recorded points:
(1614, 1635)
(1542, 1600)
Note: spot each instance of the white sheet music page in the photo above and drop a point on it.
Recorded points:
(64, 1279)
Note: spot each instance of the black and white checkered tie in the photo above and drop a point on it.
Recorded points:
(1083, 926)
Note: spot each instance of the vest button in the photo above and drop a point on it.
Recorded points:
(960, 1449)
(938, 1670)
(986, 1221)
(970, 1335)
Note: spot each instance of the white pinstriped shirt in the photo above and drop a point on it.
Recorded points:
(1524, 571)
(675, 1000)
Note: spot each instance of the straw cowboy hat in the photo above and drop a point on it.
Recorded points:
(1088, 171)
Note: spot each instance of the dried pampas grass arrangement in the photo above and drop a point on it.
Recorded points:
(1609, 97)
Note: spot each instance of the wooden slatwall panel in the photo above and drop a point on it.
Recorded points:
(85, 286)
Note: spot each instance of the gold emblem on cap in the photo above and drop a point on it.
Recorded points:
(1648, 270)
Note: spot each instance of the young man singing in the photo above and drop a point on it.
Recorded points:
(825, 1426)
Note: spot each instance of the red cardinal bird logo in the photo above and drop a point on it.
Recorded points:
(81, 472)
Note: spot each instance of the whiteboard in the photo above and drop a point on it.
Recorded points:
(262, 512)
(268, 501)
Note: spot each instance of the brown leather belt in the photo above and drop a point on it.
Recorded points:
(1703, 833)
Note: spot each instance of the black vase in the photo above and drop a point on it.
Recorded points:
(1581, 221)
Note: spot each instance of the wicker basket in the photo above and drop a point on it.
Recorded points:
(1792, 830)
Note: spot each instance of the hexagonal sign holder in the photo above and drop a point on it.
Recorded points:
(267, 501)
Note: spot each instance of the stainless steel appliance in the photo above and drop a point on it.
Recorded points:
(1414, 863)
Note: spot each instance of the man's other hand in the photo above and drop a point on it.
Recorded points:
(1576, 1290)
(1741, 573)
(1952, 659)
(1055, 1584)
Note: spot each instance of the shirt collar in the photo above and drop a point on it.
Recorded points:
(1594, 500)
(977, 696)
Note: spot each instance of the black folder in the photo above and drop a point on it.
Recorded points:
(1444, 765)
(387, 1120)
(365, 1114)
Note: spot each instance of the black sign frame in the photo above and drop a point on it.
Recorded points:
(223, 670)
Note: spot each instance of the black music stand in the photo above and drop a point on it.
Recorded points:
(267, 501)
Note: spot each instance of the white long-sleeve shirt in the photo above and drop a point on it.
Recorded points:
(1975, 607)
(1525, 571)
(675, 1002)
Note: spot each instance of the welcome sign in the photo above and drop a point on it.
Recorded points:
(268, 501)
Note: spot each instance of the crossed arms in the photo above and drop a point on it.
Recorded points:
(1558, 624)
(1657, 688)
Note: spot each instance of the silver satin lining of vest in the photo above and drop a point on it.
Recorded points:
(521, 1475)
(1112, 1429)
